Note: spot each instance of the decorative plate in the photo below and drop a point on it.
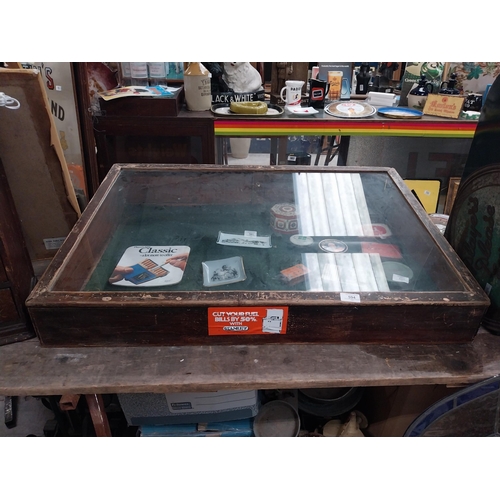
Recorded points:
(333, 246)
(401, 113)
(223, 271)
(224, 110)
(350, 109)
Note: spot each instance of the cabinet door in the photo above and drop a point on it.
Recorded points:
(173, 139)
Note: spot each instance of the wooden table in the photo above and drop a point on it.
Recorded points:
(323, 124)
(26, 368)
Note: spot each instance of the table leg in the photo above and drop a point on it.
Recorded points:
(343, 151)
(319, 149)
(274, 151)
(98, 415)
(221, 151)
(282, 150)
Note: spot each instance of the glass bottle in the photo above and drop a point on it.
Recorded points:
(450, 88)
(363, 79)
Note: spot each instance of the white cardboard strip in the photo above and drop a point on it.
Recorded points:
(364, 214)
(329, 272)
(333, 205)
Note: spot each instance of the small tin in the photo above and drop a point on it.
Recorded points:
(381, 230)
(301, 240)
(277, 419)
(284, 218)
(396, 272)
(333, 246)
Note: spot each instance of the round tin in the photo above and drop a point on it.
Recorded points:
(277, 419)
(333, 246)
(396, 272)
(301, 241)
(284, 218)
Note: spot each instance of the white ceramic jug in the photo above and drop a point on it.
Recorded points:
(197, 89)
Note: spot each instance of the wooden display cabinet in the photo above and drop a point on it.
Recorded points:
(282, 254)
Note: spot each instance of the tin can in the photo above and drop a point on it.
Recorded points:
(284, 218)
(277, 419)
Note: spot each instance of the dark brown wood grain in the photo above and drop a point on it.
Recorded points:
(143, 106)
(133, 324)
(27, 368)
(187, 138)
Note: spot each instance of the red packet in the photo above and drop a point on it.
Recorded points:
(295, 274)
(383, 249)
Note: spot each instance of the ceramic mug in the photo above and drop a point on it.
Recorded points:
(293, 92)
(473, 102)
(338, 85)
(318, 90)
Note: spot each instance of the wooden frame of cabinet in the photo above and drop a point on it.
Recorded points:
(16, 272)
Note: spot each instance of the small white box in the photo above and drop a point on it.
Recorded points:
(188, 407)
(381, 98)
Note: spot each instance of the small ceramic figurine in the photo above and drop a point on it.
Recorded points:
(242, 77)
(217, 83)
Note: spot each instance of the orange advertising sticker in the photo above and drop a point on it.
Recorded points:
(247, 320)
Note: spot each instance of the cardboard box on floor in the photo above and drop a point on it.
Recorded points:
(35, 166)
(391, 410)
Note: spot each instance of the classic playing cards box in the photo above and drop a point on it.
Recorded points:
(145, 265)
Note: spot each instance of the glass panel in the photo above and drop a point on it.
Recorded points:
(256, 231)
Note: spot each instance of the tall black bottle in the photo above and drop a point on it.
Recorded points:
(363, 79)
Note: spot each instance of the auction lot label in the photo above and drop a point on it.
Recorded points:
(247, 320)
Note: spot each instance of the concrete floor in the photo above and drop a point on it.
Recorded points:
(30, 417)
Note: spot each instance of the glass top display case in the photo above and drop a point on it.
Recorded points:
(204, 254)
